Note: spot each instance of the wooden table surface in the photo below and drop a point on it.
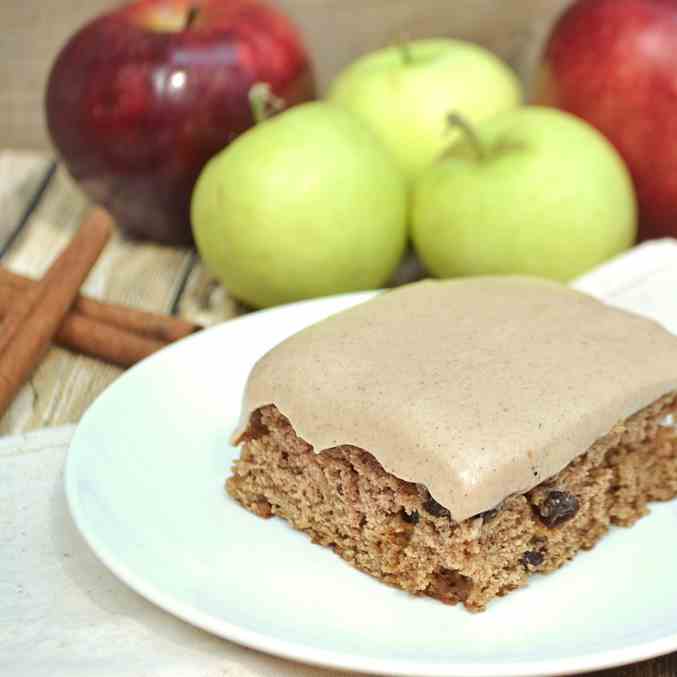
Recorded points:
(40, 208)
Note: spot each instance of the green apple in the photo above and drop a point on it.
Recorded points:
(307, 203)
(533, 191)
(405, 93)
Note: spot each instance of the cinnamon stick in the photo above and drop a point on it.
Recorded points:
(90, 337)
(165, 328)
(33, 320)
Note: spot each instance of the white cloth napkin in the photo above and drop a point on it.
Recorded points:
(63, 614)
(644, 281)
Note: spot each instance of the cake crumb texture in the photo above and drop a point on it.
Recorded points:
(395, 531)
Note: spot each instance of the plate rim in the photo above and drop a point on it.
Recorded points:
(298, 651)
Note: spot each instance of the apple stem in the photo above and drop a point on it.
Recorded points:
(191, 15)
(263, 102)
(454, 120)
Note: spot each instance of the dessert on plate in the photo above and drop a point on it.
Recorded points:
(453, 438)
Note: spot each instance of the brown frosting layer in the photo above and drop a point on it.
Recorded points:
(477, 388)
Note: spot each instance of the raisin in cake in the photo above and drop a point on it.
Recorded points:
(452, 438)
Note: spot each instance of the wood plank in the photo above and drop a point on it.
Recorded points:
(204, 300)
(665, 666)
(142, 275)
(21, 175)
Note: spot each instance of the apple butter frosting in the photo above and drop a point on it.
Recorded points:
(477, 388)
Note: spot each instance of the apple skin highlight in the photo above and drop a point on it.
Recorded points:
(137, 102)
(612, 63)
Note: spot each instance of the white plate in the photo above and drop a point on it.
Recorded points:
(144, 480)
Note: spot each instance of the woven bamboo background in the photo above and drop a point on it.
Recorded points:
(336, 31)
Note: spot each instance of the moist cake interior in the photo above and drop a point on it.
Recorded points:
(451, 438)
(395, 531)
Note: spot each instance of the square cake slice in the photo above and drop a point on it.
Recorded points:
(452, 438)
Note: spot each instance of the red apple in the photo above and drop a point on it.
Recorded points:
(139, 99)
(614, 63)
